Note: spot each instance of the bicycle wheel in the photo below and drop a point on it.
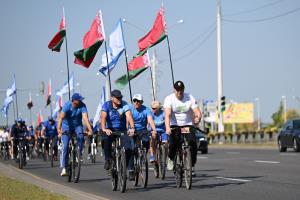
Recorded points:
(93, 152)
(136, 169)
(77, 165)
(114, 174)
(187, 162)
(51, 154)
(178, 169)
(156, 164)
(163, 161)
(144, 169)
(21, 159)
(69, 167)
(122, 170)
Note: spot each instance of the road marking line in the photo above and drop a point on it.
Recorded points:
(233, 153)
(202, 157)
(151, 168)
(266, 161)
(233, 179)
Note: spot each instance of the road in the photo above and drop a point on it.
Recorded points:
(233, 174)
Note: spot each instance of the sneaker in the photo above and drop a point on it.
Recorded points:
(170, 165)
(107, 165)
(151, 159)
(63, 172)
(89, 156)
(131, 175)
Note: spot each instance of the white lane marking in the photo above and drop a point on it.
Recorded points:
(151, 168)
(233, 179)
(202, 157)
(233, 153)
(266, 161)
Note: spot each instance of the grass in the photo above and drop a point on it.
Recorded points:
(13, 189)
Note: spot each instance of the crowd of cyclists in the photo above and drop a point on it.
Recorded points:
(153, 127)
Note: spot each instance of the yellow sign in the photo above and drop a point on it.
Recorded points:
(238, 113)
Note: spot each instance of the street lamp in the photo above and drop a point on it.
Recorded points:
(283, 98)
(258, 112)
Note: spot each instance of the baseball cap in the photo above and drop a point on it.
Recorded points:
(77, 96)
(137, 97)
(116, 93)
(50, 118)
(179, 86)
(155, 104)
(20, 120)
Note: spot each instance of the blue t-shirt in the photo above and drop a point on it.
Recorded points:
(116, 118)
(73, 117)
(50, 130)
(159, 121)
(140, 117)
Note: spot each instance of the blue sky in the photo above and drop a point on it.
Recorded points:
(260, 59)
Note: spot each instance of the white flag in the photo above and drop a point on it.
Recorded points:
(65, 88)
(98, 112)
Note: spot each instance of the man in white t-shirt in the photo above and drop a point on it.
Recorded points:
(180, 109)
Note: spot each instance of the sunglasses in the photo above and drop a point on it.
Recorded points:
(136, 101)
(154, 108)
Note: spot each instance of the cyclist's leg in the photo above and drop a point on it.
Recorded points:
(80, 142)
(55, 145)
(90, 140)
(153, 145)
(193, 144)
(174, 142)
(107, 146)
(64, 157)
(164, 137)
(128, 143)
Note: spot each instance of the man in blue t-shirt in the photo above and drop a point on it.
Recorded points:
(49, 131)
(142, 117)
(114, 117)
(69, 123)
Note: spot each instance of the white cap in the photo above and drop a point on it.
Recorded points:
(137, 97)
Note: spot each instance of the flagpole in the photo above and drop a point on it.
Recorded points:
(68, 67)
(16, 96)
(152, 83)
(14, 110)
(107, 67)
(170, 60)
(30, 114)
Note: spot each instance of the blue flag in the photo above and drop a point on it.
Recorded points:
(65, 88)
(98, 112)
(12, 90)
(5, 106)
(116, 47)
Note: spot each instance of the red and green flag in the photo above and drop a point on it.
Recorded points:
(135, 67)
(157, 34)
(91, 42)
(58, 39)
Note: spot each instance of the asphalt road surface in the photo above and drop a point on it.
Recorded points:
(233, 174)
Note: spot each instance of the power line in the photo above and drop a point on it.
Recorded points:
(262, 19)
(255, 9)
(197, 47)
(213, 25)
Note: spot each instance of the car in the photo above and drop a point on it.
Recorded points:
(202, 143)
(289, 136)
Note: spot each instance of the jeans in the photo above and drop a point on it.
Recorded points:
(65, 138)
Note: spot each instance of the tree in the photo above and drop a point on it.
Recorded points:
(278, 117)
(292, 114)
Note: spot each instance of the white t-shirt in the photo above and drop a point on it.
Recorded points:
(3, 136)
(181, 110)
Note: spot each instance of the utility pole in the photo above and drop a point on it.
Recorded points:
(219, 65)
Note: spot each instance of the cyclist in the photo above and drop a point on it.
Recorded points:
(142, 117)
(114, 117)
(49, 130)
(70, 122)
(158, 116)
(4, 138)
(18, 130)
(30, 139)
(180, 109)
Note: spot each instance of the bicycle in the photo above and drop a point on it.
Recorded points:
(50, 152)
(140, 160)
(5, 150)
(183, 158)
(74, 161)
(21, 152)
(161, 158)
(93, 149)
(118, 165)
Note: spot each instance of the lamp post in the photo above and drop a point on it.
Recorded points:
(283, 98)
(258, 113)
